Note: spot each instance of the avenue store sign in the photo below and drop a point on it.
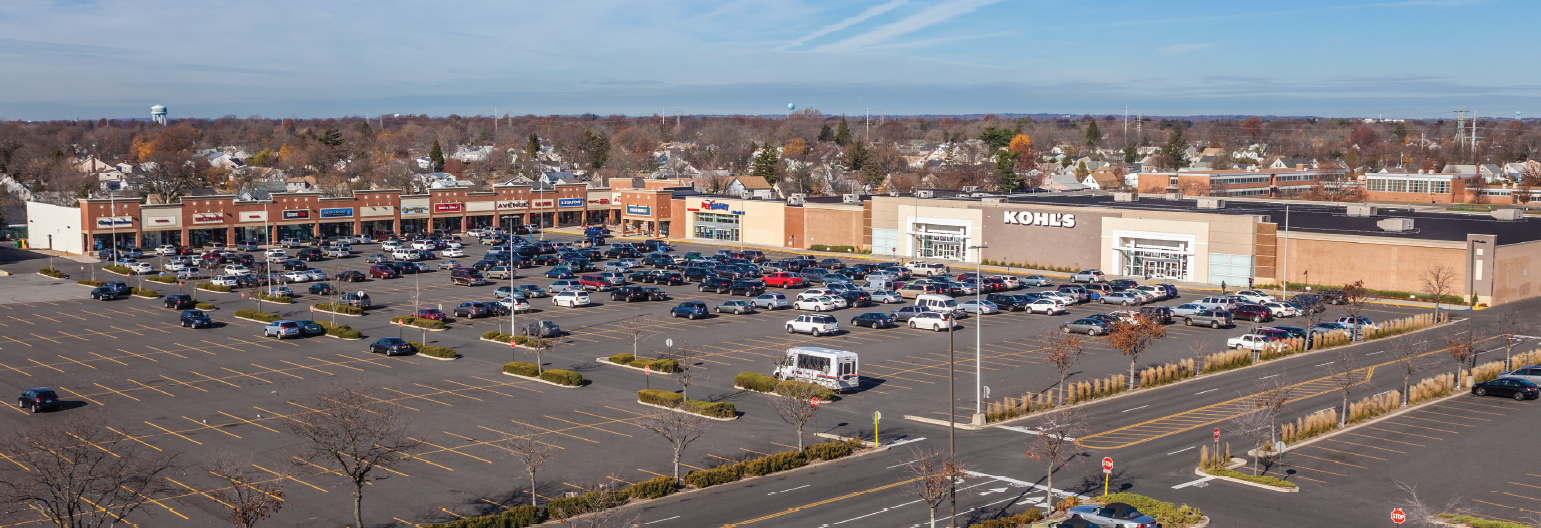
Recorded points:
(1039, 219)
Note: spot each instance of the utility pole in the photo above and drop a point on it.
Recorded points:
(867, 125)
(952, 422)
(1139, 124)
(1126, 125)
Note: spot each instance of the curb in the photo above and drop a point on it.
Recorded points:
(606, 361)
(1200, 472)
(457, 356)
(502, 343)
(344, 338)
(687, 412)
(943, 423)
(65, 277)
(264, 323)
(821, 402)
(864, 443)
(1389, 415)
(537, 378)
(335, 313)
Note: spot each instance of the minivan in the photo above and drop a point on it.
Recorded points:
(466, 277)
(938, 303)
(596, 282)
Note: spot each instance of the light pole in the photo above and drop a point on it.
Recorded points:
(978, 336)
(952, 421)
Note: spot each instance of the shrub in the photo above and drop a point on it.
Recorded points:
(1478, 522)
(503, 338)
(343, 331)
(1028, 517)
(562, 377)
(623, 358)
(658, 397)
(520, 368)
(642, 362)
(403, 319)
(652, 489)
(204, 306)
(794, 387)
(265, 317)
(53, 273)
(755, 381)
(773, 463)
(339, 308)
(163, 279)
(561, 508)
(280, 299)
(1165, 513)
(89, 282)
(431, 350)
(428, 323)
(516, 517)
(712, 477)
(713, 409)
(666, 366)
(839, 249)
(1260, 479)
(141, 292)
(831, 450)
(491, 334)
(213, 288)
(121, 270)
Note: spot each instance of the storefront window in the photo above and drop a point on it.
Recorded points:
(1155, 259)
(940, 241)
(716, 226)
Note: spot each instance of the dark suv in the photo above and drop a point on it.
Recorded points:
(748, 288)
(1009, 302)
(38, 399)
(629, 294)
(178, 301)
(715, 284)
(689, 309)
(472, 310)
(195, 319)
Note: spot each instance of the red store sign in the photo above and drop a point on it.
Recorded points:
(446, 208)
(208, 218)
(600, 201)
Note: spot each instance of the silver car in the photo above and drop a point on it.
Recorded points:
(771, 301)
(1531, 374)
(887, 297)
(565, 285)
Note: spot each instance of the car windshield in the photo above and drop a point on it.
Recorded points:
(195, 313)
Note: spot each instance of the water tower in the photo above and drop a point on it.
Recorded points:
(158, 114)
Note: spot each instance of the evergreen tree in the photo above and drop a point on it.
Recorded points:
(1175, 148)
(843, 133)
(826, 134)
(1130, 153)
(597, 144)
(857, 156)
(1400, 132)
(331, 137)
(1005, 173)
(532, 147)
(997, 138)
(365, 130)
(436, 155)
(767, 163)
(1093, 134)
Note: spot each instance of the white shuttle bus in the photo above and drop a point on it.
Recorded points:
(835, 369)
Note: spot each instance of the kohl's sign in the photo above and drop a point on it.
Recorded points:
(1039, 219)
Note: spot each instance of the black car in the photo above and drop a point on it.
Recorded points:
(310, 254)
(472, 310)
(196, 319)
(749, 288)
(521, 261)
(178, 301)
(629, 294)
(322, 288)
(670, 278)
(244, 259)
(698, 274)
(103, 293)
(1105, 318)
(1508, 387)
(119, 287)
(38, 399)
(541, 329)
(391, 346)
(1163, 315)
(351, 276)
(873, 320)
(832, 263)
(296, 265)
(655, 293)
(1009, 302)
(545, 260)
(689, 310)
(1122, 284)
(641, 276)
(715, 285)
(403, 268)
(309, 327)
(856, 298)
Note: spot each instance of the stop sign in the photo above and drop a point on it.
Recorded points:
(814, 402)
(1397, 516)
(1217, 434)
(1107, 464)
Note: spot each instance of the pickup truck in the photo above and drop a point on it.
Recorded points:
(785, 279)
(1249, 342)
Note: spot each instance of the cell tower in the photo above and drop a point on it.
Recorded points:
(158, 114)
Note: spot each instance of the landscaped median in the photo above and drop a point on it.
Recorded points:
(50, 272)
(558, 377)
(568, 507)
(208, 286)
(754, 381)
(256, 316)
(163, 279)
(1166, 513)
(427, 324)
(143, 293)
(626, 359)
(432, 351)
(120, 270)
(722, 411)
(91, 283)
(341, 331)
(519, 340)
(275, 299)
(339, 309)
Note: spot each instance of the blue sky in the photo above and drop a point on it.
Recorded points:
(1418, 58)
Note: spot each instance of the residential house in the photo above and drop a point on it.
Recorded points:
(1063, 183)
(1284, 162)
(754, 186)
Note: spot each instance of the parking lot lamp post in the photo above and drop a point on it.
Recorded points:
(978, 335)
(952, 420)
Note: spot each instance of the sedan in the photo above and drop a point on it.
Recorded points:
(297, 276)
(452, 253)
(1281, 309)
(315, 274)
(1122, 297)
(431, 313)
(816, 303)
(655, 293)
(1187, 309)
(237, 270)
(873, 320)
(351, 276)
(391, 346)
(886, 297)
(322, 288)
(448, 264)
(979, 307)
(1087, 326)
(195, 319)
(559, 272)
(541, 329)
(1507, 387)
(141, 268)
(735, 307)
(103, 293)
(376, 259)
(531, 291)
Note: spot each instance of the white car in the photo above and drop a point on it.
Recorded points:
(1062, 296)
(570, 299)
(224, 280)
(817, 304)
(815, 292)
(1279, 309)
(315, 274)
(1363, 324)
(189, 273)
(1011, 280)
(934, 321)
(455, 245)
(816, 325)
(1249, 342)
(887, 297)
(1254, 296)
(276, 255)
(236, 269)
(516, 304)
(297, 276)
(176, 265)
(141, 268)
(1157, 293)
(166, 250)
(979, 307)
(1046, 307)
(423, 245)
(452, 253)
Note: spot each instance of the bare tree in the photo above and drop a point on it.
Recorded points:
(685, 372)
(352, 432)
(1409, 360)
(1055, 444)
(1355, 297)
(1061, 351)
(1461, 344)
(1438, 281)
(532, 454)
(78, 473)
(637, 329)
(1256, 426)
(1419, 512)
(677, 427)
(250, 500)
(1135, 337)
(935, 474)
(542, 346)
(1510, 327)
(1343, 376)
(1268, 399)
(601, 507)
(793, 401)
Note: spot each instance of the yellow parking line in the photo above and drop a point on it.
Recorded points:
(116, 392)
(290, 477)
(153, 388)
(178, 435)
(207, 426)
(820, 503)
(179, 383)
(1345, 452)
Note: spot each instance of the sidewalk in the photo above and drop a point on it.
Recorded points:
(964, 267)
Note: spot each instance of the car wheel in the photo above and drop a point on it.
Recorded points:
(1519, 396)
(1257, 319)
(1214, 324)
(1480, 391)
(789, 329)
(815, 332)
(912, 324)
(692, 316)
(738, 312)
(34, 408)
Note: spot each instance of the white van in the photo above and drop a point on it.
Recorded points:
(835, 369)
(875, 284)
(938, 303)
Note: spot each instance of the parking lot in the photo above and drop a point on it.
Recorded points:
(227, 388)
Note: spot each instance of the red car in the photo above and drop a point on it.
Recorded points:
(382, 272)
(430, 313)
(1253, 312)
(785, 279)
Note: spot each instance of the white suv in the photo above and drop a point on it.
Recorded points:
(816, 325)
(934, 321)
(166, 250)
(571, 299)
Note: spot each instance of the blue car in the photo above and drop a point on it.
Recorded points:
(559, 272)
(689, 310)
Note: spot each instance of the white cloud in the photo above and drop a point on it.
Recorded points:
(860, 17)
(926, 18)
(1179, 49)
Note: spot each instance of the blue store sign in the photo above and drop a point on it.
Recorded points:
(639, 210)
(569, 202)
(344, 212)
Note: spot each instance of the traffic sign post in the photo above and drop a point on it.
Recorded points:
(1107, 472)
(1397, 516)
(815, 403)
(875, 417)
(647, 372)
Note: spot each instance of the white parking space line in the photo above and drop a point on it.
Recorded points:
(1189, 448)
(1186, 484)
(1135, 409)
